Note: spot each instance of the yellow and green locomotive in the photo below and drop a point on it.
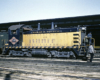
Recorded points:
(23, 40)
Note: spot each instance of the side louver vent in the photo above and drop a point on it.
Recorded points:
(76, 39)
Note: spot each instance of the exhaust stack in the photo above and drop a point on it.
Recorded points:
(38, 26)
(52, 25)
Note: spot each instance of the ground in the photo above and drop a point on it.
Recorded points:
(26, 68)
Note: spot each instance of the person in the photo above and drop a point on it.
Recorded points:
(89, 36)
(91, 52)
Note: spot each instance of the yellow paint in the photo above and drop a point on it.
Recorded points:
(30, 46)
(6, 44)
(97, 47)
(51, 40)
(16, 46)
(20, 47)
(26, 46)
(64, 47)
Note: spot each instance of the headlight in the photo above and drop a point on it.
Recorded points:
(83, 28)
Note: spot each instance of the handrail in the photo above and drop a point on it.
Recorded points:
(92, 39)
(94, 42)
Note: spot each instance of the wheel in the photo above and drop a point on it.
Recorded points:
(24, 55)
(29, 55)
(10, 53)
(49, 55)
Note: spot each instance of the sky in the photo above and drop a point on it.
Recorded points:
(27, 10)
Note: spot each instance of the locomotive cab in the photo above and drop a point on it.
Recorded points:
(14, 35)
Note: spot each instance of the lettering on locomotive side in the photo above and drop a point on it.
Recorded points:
(33, 40)
(53, 40)
(38, 40)
(41, 40)
(29, 41)
(48, 40)
(46, 31)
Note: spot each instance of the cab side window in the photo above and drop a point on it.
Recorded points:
(14, 32)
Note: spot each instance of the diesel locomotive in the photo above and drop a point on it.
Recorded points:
(23, 40)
